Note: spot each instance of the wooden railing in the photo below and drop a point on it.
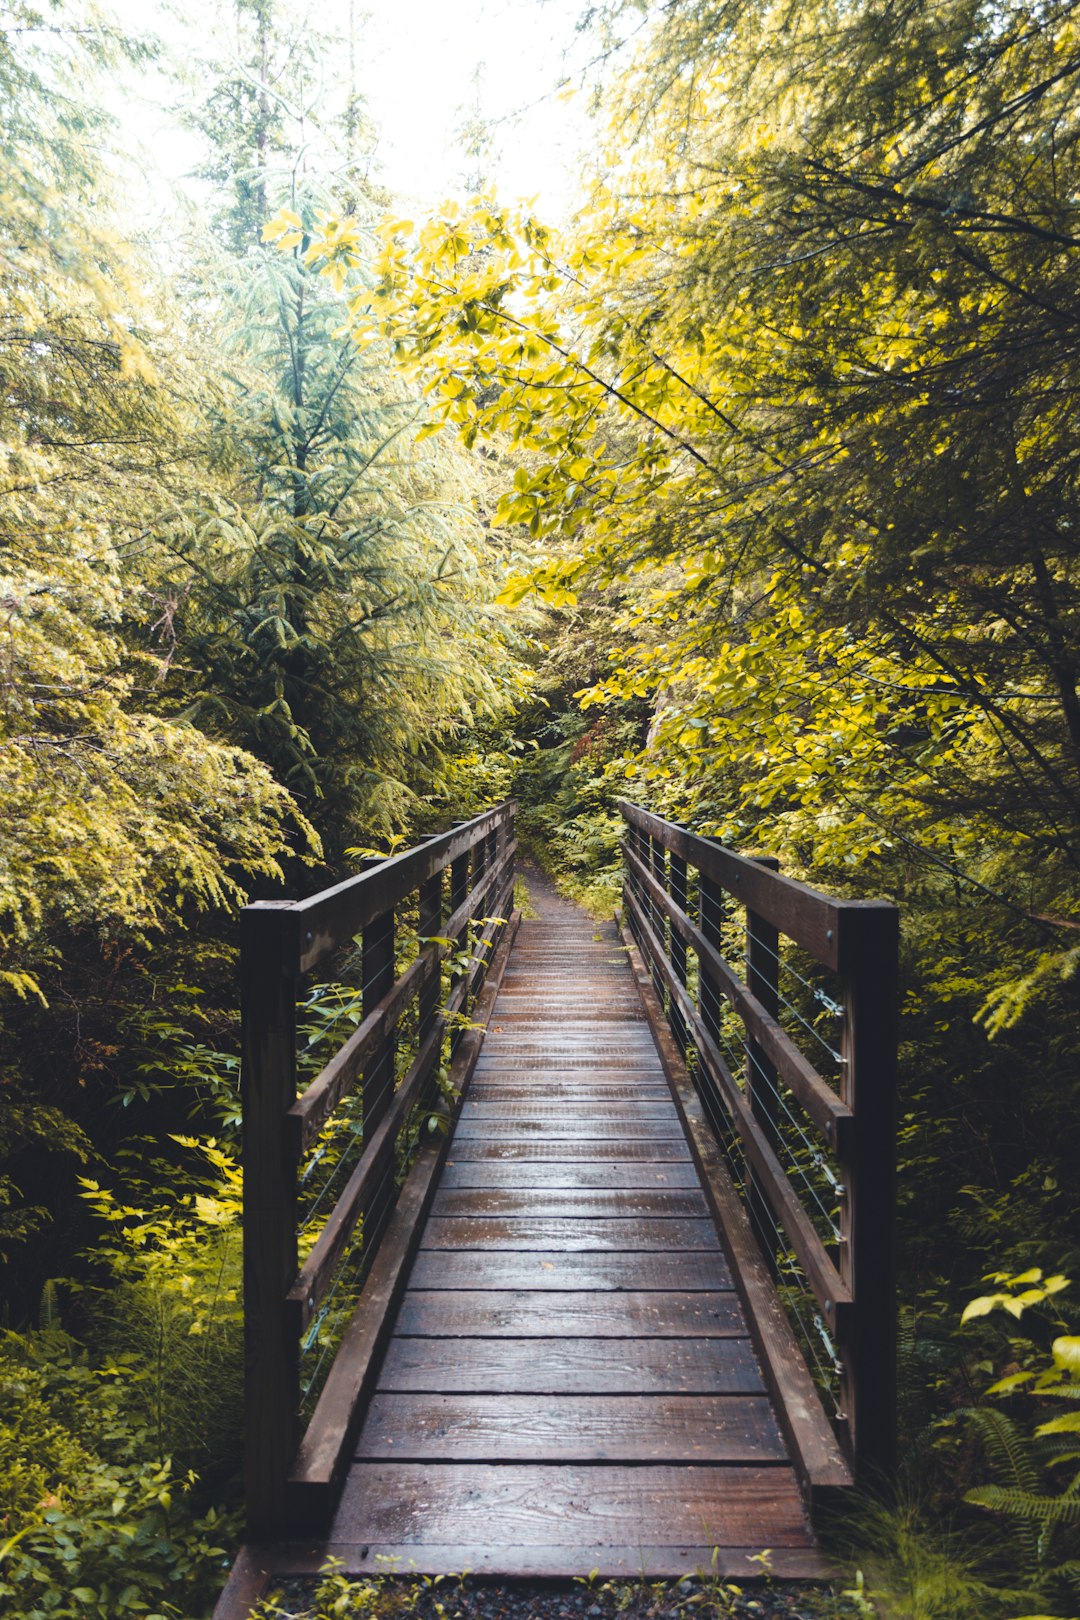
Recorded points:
(421, 956)
(782, 1003)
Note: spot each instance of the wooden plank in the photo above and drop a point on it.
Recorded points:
(570, 1428)
(601, 1089)
(570, 1110)
(491, 1173)
(528, 1203)
(598, 1233)
(818, 1458)
(702, 1271)
(554, 1130)
(413, 1503)
(521, 1313)
(537, 1365)
(570, 1150)
(556, 1561)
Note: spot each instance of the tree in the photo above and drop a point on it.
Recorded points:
(806, 363)
(122, 823)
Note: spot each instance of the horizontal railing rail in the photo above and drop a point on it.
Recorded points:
(322, 1167)
(811, 1153)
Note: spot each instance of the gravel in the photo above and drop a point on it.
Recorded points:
(468, 1598)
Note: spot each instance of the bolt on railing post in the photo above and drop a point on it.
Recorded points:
(763, 981)
(269, 964)
(869, 969)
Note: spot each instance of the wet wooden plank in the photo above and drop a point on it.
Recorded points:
(571, 1428)
(512, 1068)
(518, 1313)
(565, 1203)
(545, 1366)
(702, 1272)
(492, 1173)
(616, 1089)
(598, 1233)
(538, 1126)
(576, 1150)
(568, 1110)
(485, 1504)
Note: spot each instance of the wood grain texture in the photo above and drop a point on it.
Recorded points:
(411, 1503)
(599, 1233)
(573, 1176)
(540, 1127)
(565, 1203)
(587, 1150)
(542, 1366)
(601, 1089)
(701, 1272)
(567, 1110)
(516, 1313)
(571, 1428)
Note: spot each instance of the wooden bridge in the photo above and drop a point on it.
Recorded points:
(576, 1253)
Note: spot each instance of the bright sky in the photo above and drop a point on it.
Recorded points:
(424, 57)
(425, 67)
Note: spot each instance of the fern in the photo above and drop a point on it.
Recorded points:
(1011, 1454)
(1026, 1505)
(1009, 1450)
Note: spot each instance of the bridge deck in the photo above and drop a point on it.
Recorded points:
(570, 1384)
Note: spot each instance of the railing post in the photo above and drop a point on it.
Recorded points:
(869, 952)
(710, 921)
(630, 842)
(459, 890)
(657, 863)
(378, 951)
(269, 962)
(763, 981)
(678, 946)
(511, 876)
(427, 1004)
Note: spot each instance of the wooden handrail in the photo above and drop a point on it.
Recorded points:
(832, 1117)
(853, 1279)
(280, 942)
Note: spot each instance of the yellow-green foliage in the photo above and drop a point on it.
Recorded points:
(794, 379)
